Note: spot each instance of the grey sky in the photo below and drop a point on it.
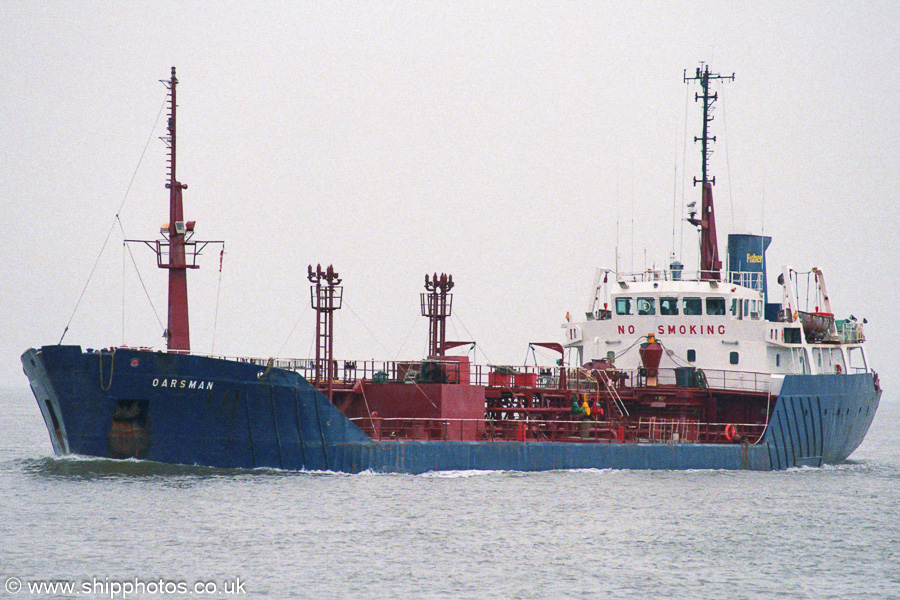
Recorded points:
(505, 143)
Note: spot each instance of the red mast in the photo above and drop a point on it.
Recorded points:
(710, 265)
(177, 251)
(437, 305)
(325, 296)
(178, 336)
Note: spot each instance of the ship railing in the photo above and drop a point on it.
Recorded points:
(535, 377)
(349, 372)
(673, 431)
(453, 371)
(691, 377)
(654, 275)
(516, 428)
(381, 428)
(512, 428)
(747, 279)
(752, 280)
(850, 332)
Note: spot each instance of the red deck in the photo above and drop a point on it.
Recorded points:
(450, 399)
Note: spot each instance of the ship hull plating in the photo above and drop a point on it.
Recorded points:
(193, 410)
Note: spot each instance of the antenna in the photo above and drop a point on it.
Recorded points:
(632, 217)
(710, 264)
(675, 192)
(704, 76)
(617, 223)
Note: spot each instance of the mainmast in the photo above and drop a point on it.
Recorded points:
(710, 265)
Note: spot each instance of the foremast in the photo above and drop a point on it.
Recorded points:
(177, 251)
(710, 265)
(178, 335)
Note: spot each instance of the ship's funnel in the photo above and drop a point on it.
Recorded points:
(747, 261)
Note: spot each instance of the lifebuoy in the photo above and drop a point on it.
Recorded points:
(729, 432)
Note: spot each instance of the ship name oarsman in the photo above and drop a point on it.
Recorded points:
(182, 384)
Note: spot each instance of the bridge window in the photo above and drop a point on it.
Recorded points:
(692, 306)
(668, 306)
(837, 361)
(715, 306)
(624, 306)
(646, 306)
(857, 359)
(792, 335)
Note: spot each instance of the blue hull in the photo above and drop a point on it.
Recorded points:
(186, 409)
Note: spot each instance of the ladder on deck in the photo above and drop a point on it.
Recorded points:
(617, 400)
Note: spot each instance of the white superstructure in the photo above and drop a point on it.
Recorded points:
(716, 326)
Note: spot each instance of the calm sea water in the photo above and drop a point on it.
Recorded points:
(141, 530)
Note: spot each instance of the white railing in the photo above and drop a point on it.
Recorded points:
(751, 280)
(851, 332)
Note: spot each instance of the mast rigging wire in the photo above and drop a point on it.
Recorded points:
(687, 97)
(406, 339)
(288, 338)
(218, 293)
(471, 337)
(727, 161)
(366, 327)
(675, 192)
(113, 224)
(141, 279)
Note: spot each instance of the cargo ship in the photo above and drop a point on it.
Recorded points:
(666, 370)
